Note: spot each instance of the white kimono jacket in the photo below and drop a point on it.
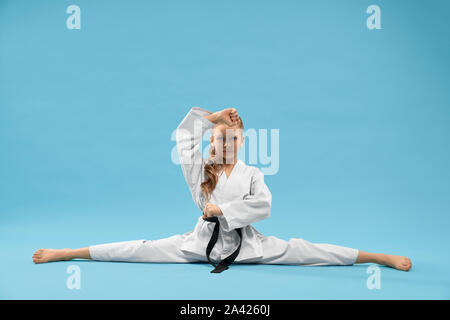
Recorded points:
(243, 197)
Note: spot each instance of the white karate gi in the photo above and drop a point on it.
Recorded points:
(243, 198)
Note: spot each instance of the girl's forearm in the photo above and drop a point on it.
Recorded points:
(213, 117)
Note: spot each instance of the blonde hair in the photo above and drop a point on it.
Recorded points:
(212, 168)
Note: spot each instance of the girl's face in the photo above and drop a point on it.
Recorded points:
(227, 141)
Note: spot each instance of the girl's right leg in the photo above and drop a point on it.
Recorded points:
(162, 250)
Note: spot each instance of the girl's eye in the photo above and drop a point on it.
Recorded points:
(221, 139)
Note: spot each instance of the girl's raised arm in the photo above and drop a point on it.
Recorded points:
(189, 136)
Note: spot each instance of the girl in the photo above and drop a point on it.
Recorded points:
(232, 196)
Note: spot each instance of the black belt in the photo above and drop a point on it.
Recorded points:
(222, 265)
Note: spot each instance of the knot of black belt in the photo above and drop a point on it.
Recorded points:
(222, 265)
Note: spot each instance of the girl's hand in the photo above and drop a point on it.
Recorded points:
(227, 116)
(211, 210)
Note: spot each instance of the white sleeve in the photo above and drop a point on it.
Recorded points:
(254, 207)
(189, 135)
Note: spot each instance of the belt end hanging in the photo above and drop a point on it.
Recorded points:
(219, 269)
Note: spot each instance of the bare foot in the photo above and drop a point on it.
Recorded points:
(397, 262)
(49, 255)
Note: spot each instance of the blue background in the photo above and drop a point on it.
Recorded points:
(86, 118)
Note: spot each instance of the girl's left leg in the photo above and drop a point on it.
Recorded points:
(299, 251)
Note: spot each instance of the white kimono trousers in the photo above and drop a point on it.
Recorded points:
(243, 198)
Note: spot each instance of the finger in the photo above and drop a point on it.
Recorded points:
(232, 111)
